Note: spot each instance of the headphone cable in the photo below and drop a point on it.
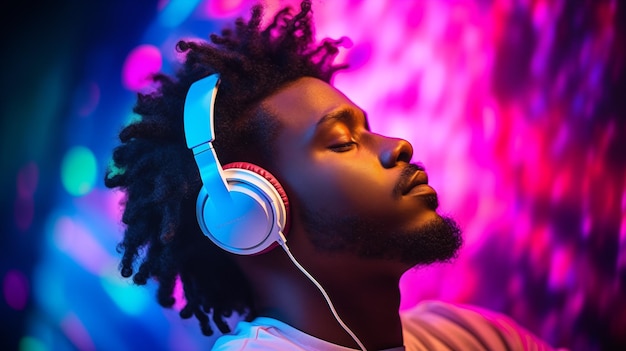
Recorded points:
(283, 244)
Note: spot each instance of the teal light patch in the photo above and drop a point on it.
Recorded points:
(114, 170)
(78, 171)
(131, 299)
(28, 343)
(133, 118)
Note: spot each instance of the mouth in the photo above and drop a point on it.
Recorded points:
(414, 183)
(417, 183)
(413, 179)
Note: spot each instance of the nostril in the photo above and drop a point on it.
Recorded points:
(405, 151)
(395, 151)
(405, 156)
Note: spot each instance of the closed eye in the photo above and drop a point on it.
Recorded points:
(343, 147)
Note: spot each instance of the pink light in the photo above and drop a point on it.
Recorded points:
(489, 122)
(78, 242)
(141, 63)
(562, 185)
(15, 288)
(222, 8)
(109, 203)
(359, 55)
(560, 268)
(622, 232)
(433, 83)
(539, 246)
(77, 333)
(179, 295)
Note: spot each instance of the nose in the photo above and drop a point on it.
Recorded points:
(394, 151)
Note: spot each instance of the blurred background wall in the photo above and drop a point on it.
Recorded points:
(515, 107)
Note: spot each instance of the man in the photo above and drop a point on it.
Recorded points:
(359, 213)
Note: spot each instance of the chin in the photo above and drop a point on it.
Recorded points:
(427, 237)
(423, 219)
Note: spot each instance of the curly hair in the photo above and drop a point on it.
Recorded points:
(158, 175)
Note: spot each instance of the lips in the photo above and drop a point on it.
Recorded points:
(419, 178)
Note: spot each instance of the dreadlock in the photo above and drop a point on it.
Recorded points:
(158, 175)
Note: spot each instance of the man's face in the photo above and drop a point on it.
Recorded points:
(355, 191)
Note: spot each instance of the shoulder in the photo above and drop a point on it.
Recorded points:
(270, 334)
(440, 325)
(254, 336)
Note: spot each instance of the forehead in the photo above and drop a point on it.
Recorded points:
(302, 103)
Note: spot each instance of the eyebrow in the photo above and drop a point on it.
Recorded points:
(346, 115)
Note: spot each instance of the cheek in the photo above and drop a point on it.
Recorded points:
(346, 190)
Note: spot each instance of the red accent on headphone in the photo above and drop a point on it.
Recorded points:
(270, 178)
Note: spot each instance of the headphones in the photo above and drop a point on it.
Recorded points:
(241, 207)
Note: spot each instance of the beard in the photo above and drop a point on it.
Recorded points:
(437, 240)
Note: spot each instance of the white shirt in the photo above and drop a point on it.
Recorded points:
(431, 325)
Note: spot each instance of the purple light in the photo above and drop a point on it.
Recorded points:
(15, 287)
(79, 243)
(76, 332)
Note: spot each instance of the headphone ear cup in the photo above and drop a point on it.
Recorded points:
(251, 223)
(272, 180)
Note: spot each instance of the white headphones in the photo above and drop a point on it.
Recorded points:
(241, 207)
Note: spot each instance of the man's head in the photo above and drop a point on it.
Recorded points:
(347, 185)
(354, 191)
(158, 175)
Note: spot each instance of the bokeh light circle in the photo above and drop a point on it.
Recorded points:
(141, 63)
(28, 343)
(15, 288)
(78, 171)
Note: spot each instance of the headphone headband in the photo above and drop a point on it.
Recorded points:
(200, 100)
(240, 210)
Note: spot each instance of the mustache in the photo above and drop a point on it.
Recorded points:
(405, 177)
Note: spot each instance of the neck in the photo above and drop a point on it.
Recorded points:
(365, 296)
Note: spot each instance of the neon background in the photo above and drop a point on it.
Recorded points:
(516, 108)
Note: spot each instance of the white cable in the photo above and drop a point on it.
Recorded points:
(283, 244)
